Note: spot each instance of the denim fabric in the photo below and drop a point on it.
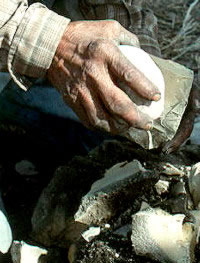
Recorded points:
(42, 111)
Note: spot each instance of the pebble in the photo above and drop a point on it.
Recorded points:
(26, 168)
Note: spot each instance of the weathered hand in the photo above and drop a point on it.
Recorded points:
(85, 68)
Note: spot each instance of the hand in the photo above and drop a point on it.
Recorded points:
(85, 68)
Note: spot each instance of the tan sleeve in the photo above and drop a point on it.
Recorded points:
(29, 36)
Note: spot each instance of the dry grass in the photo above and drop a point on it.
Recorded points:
(179, 31)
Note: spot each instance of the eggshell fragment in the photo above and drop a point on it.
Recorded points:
(5, 234)
(164, 237)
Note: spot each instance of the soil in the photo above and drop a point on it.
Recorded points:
(21, 193)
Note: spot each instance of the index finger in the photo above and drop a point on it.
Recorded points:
(118, 104)
(122, 68)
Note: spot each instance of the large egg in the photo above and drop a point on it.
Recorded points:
(144, 63)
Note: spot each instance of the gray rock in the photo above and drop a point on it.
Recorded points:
(178, 188)
(194, 137)
(111, 194)
(26, 168)
(53, 221)
(123, 231)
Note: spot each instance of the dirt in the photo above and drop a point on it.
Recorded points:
(21, 193)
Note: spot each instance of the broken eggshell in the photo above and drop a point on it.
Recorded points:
(25, 253)
(5, 234)
(164, 237)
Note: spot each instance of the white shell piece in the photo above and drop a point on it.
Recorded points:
(91, 233)
(31, 254)
(163, 237)
(5, 234)
(143, 62)
(162, 187)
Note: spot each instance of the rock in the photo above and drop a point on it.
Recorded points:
(114, 192)
(194, 183)
(26, 167)
(91, 233)
(164, 237)
(177, 204)
(178, 199)
(175, 101)
(170, 170)
(178, 188)
(123, 231)
(194, 137)
(53, 221)
(195, 214)
(5, 234)
(144, 206)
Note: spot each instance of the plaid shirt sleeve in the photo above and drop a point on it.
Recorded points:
(131, 14)
(29, 36)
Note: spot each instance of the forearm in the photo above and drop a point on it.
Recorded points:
(29, 38)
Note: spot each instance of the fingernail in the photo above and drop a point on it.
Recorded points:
(156, 97)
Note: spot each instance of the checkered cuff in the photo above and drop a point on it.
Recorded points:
(35, 43)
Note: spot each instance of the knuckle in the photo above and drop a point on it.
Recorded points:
(99, 47)
(112, 103)
(114, 24)
(95, 46)
(116, 105)
(92, 72)
(128, 75)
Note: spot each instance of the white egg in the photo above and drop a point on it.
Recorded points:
(143, 62)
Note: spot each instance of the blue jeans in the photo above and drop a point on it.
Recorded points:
(42, 112)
